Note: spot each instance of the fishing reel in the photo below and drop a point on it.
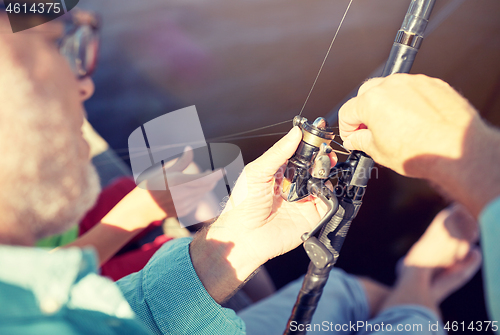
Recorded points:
(311, 159)
(307, 173)
(310, 165)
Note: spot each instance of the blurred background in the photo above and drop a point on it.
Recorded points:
(250, 63)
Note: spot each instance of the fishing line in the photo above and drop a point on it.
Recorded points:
(314, 83)
(308, 96)
(341, 152)
(326, 56)
(110, 161)
(234, 137)
(225, 137)
(249, 131)
(250, 136)
(348, 152)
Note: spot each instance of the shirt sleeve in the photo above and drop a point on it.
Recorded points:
(489, 221)
(169, 298)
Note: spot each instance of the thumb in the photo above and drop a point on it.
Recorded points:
(183, 161)
(278, 154)
(361, 140)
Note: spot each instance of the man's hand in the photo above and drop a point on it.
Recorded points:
(420, 127)
(439, 263)
(401, 117)
(256, 225)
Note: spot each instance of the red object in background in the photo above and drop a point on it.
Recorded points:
(132, 261)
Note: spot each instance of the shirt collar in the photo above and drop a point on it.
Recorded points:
(41, 276)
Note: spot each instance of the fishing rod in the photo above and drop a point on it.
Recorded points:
(309, 169)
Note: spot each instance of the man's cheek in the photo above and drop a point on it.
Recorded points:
(16, 55)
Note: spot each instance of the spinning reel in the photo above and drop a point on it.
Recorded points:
(306, 174)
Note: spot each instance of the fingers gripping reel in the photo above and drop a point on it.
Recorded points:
(306, 174)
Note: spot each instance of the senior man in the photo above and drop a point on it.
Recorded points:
(48, 184)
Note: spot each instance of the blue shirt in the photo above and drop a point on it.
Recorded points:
(489, 221)
(61, 293)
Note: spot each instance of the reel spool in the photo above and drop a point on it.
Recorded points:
(311, 159)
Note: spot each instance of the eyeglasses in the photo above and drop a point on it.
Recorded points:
(80, 41)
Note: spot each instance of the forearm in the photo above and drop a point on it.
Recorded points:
(220, 264)
(474, 179)
(169, 298)
(412, 289)
(127, 219)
